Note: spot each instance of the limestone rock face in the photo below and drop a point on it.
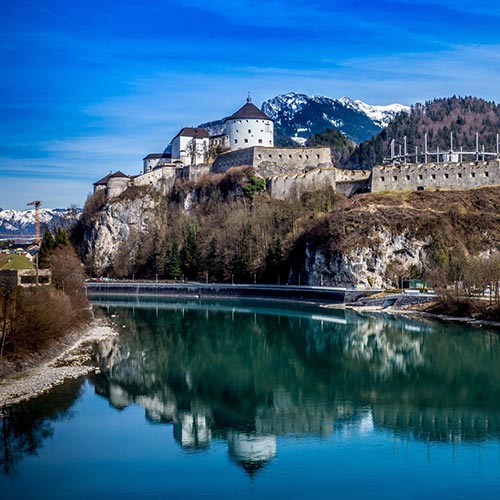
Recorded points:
(119, 221)
(377, 265)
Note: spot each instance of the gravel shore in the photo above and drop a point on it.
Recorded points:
(75, 361)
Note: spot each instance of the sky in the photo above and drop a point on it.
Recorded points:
(90, 86)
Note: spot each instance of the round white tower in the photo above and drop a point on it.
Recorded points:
(248, 127)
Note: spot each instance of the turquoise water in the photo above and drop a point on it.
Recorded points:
(241, 399)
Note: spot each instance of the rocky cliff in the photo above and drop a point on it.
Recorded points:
(226, 228)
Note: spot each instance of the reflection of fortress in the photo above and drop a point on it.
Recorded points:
(309, 376)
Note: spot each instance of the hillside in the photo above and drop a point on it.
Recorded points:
(297, 117)
(301, 116)
(226, 228)
(464, 116)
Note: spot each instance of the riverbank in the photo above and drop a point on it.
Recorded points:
(412, 306)
(73, 358)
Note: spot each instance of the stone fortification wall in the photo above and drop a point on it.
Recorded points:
(195, 172)
(116, 186)
(225, 161)
(351, 182)
(272, 161)
(465, 175)
(284, 186)
(161, 178)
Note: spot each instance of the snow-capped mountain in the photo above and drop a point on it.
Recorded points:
(381, 115)
(20, 224)
(300, 115)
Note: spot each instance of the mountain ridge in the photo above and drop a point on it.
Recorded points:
(298, 117)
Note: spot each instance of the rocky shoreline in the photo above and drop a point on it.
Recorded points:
(75, 360)
(412, 306)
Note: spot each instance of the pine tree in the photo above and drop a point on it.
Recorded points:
(175, 262)
(62, 239)
(47, 246)
(190, 256)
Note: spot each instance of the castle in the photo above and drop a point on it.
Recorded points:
(249, 141)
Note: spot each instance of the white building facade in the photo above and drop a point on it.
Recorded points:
(190, 146)
(248, 127)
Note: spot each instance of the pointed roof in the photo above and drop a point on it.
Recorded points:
(196, 133)
(157, 156)
(104, 180)
(249, 110)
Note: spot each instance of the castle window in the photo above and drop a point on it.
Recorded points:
(262, 131)
(290, 156)
(249, 131)
(246, 140)
(237, 130)
(382, 178)
(270, 156)
(420, 177)
(307, 157)
(486, 174)
(236, 141)
(280, 156)
(433, 176)
(394, 177)
(259, 157)
(446, 176)
(300, 157)
(407, 177)
(459, 176)
(317, 157)
(260, 141)
(270, 142)
(473, 174)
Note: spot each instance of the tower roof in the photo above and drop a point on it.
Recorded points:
(196, 133)
(249, 110)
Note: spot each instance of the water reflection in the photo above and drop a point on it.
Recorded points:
(26, 426)
(249, 374)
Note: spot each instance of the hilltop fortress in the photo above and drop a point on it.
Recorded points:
(249, 141)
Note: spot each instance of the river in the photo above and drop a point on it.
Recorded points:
(254, 399)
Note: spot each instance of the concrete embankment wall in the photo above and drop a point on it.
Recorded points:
(285, 292)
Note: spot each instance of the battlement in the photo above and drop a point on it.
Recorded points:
(420, 176)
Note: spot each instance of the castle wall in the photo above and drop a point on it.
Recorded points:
(272, 161)
(161, 178)
(116, 186)
(433, 176)
(225, 161)
(195, 172)
(284, 186)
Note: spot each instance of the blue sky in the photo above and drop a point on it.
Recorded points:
(89, 86)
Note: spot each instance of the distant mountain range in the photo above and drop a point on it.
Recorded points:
(20, 224)
(298, 116)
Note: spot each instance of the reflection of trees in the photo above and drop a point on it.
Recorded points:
(26, 426)
(270, 374)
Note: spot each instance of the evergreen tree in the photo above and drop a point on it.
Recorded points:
(175, 262)
(62, 238)
(190, 255)
(47, 246)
